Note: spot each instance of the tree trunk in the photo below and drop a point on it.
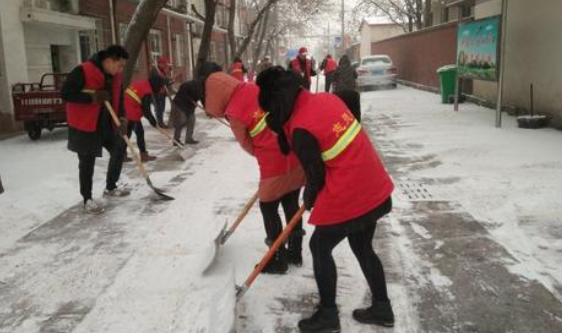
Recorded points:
(231, 34)
(253, 26)
(261, 37)
(428, 17)
(205, 47)
(418, 12)
(146, 13)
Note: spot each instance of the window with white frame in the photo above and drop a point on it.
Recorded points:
(180, 49)
(155, 44)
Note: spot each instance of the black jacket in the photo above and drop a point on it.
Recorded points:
(344, 77)
(86, 143)
(189, 93)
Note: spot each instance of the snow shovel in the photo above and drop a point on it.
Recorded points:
(241, 290)
(178, 144)
(225, 234)
(136, 157)
(197, 105)
(317, 81)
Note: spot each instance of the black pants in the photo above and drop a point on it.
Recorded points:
(160, 107)
(86, 163)
(137, 127)
(272, 219)
(329, 81)
(324, 240)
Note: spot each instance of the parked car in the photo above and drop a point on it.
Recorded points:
(376, 71)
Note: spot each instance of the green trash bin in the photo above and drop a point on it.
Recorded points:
(448, 78)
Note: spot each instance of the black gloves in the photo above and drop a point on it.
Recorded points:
(101, 96)
(309, 197)
(123, 126)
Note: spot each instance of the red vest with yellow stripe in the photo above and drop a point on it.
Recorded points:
(244, 107)
(236, 71)
(84, 117)
(356, 180)
(133, 99)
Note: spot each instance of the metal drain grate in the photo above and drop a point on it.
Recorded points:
(411, 190)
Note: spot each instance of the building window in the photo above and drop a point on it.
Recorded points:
(155, 43)
(123, 31)
(466, 11)
(180, 49)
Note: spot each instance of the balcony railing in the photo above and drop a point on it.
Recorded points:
(61, 6)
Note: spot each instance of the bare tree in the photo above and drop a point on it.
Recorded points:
(411, 14)
(231, 26)
(266, 6)
(209, 18)
(146, 13)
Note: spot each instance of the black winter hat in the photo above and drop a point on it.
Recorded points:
(279, 90)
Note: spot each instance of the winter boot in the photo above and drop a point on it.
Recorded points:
(294, 249)
(324, 320)
(191, 142)
(92, 207)
(147, 158)
(380, 313)
(116, 192)
(278, 263)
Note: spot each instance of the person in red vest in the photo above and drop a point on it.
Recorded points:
(347, 189)
(162, 70)
(90, 126)
(329, 66)
(303, 67)
(138, 99)
(237, 70)
(281, 176)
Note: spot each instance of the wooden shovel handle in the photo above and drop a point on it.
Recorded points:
(134, 153)
(169, 136)
(244, 212)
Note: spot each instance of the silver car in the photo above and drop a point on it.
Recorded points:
(376, 71)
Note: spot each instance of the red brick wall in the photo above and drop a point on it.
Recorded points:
(124, 12)
(418, 55)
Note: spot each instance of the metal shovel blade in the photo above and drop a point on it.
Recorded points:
(158, 191)
(216, 245)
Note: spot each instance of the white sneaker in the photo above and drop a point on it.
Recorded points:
(116, 192)
(93, 207)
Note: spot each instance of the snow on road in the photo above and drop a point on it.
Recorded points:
(509, 178)
(138, 268)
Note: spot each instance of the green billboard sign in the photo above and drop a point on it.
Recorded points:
(478, 49)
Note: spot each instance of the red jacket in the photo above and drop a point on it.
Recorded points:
(356, 180)
(244, 107)
(84, 117)
(133, 99)
(331, 66)
(296, 66)
(237, 71)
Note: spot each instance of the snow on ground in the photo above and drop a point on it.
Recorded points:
(510, 178)
(138, 267)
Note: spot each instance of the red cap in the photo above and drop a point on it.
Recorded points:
(303, 50)
(163, 61)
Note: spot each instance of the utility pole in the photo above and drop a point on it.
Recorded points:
(329, 40)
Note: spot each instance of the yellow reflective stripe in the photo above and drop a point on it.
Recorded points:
(348, 137)
(133, 95)
(88, 91)
(260, 126)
